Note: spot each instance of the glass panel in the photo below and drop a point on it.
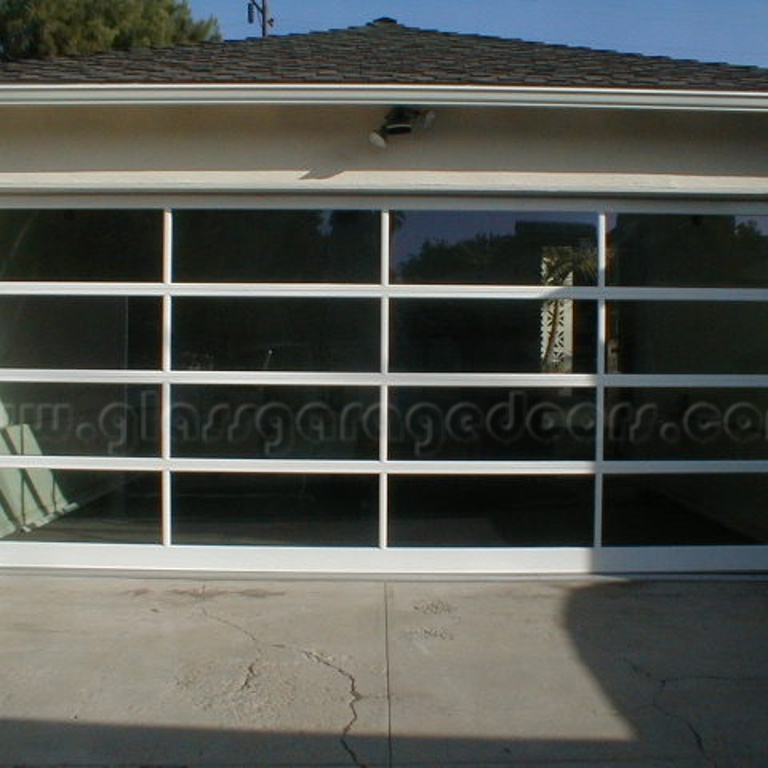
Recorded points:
(491, 511)
(79, 506)
(276, 422)
(276, 334)
(477, 424)
(81, 245)
(687, 337)
(493, 247)
(276, 510)
(690, 251)
(493, 336)
(658, 510)
(277, 246)
(79, 419)
(79, 332)
(686, 423)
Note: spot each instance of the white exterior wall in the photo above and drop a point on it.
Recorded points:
(324, 149)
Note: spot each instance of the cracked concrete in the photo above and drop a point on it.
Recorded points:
(158, 672)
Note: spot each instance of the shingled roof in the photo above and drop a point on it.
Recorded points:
(385, 52)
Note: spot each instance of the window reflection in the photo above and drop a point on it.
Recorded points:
(493, 247)
(41, 504)
(478, 511)
(690, 423)
(81, 245)
(276, 510)
(277, 246)
(478, 424)
(688, 250)
(692, 337)
(493, 336)
(80, 332)
(275, 422)
(289, 334)
(666, 510)
(79, 420)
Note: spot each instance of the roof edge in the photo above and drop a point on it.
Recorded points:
(299, 94)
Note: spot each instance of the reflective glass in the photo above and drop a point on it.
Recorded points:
(475, 511)
(275, 422)
(277, 246)
(81, 245)
(493, 247)
(688, 423)
(688, 250)
(80, 332)
(79, 419)
(502, 336)
(79, 506)
(477, 424)
(693, 337)
(685, 510)
(294, 510)
(291, 334)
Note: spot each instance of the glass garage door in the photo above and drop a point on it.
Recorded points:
(402, 381)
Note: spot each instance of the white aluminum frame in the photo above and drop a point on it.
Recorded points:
(383, 559)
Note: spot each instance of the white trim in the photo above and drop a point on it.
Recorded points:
(602, 338)
(229, 94)
(166, 400)
(395, 467)
(345, 379)
(392, 561)
(384, 183)
(685, 467)
(298, 378)
(300, 466)
(472, 200)
(372, 291)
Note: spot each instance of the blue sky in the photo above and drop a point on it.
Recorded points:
(710, 30)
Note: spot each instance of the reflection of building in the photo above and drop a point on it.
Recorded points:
(523, 339)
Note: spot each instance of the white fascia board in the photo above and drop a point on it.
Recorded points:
(378, 95)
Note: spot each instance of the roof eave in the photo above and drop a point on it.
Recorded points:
(211, 94)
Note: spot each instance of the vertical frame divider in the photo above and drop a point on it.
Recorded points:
(602, 340)
(165, 407)
(384, 388)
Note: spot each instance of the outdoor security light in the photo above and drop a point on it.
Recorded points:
(399, 122)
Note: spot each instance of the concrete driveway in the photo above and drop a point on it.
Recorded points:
(169, 672)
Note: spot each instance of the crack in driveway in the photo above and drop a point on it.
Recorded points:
(354, 694)
(662, 686)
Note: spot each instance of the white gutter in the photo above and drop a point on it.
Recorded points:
(131, 94)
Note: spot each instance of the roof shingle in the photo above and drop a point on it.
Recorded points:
(385, 52)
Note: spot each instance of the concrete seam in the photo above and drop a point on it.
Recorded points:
(387, 675)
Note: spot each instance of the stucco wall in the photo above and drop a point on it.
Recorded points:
(584, 151)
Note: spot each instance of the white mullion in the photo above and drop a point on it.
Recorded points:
(165, 408)
(384, 388)
(502, 292)
(542, 380)
(276, 290)
(373, 466)
(602, 342)
(352, 290)
(686, 467)
(688, 381)
(683, 294)
(318, 290)
(304, 378)
(118, 290)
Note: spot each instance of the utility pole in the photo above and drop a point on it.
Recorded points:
(262, 9)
